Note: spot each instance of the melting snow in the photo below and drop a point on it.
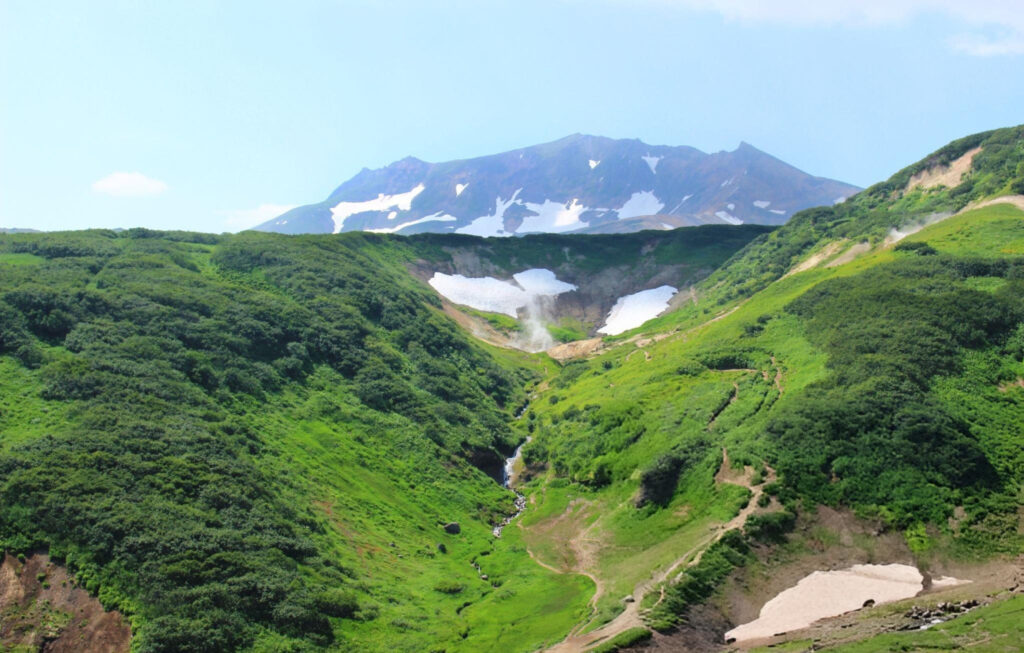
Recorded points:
(727, 182)
(401, 201)
(633, 310)
(726, 217)
(392, 215)
(732, 207)
(552, 217)
(490, 225)
(459, 188)
(652, 162)
(762, 204)
(437, 217)
(641, 203)
(830, 593)
(778, 211)
(496, 296)
(594, 164)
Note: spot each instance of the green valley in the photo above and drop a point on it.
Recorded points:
(293, 443)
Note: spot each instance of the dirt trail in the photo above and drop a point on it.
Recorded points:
(630, 617)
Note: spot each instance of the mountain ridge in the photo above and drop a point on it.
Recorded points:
(578, 183)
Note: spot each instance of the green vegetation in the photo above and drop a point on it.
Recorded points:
(625, 639)
(995, 627)
(255, 441)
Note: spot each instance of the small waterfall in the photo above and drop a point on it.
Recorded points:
(507, 479)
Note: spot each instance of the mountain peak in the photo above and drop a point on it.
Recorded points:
(579, 183)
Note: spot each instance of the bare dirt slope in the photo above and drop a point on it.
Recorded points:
(41, 609)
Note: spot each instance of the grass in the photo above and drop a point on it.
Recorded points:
(995, 627)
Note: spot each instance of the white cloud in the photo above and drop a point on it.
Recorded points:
(239, 219)
(1004, 15)
(129, 184)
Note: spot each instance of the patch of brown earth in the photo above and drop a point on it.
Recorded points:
(816, 259)
(948, 176)
(42, 610)
(577, 349)
(850, 254)
(1015, 200)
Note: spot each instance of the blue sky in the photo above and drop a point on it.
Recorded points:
(194, 115)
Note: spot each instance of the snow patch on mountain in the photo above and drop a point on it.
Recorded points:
(553, 217)
(652, 162)
(491, 225)
(778, 211)
(402, 201)
(632, 311)
(762, 204)
(437, 217)
(725, 216)
(593, 163)
(459, 188)
(497, 296)
(641, 203)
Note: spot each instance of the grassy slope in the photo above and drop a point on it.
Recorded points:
(570, 434)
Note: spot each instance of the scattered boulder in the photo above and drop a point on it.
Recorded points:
(869, 603)
(442, 548)
(483, 577)
(452, 528)
(628, 599)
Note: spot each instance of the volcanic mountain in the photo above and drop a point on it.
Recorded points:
(580, 184)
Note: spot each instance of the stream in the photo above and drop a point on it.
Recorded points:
(507, 478)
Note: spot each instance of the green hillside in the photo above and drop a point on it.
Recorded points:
(255, 442)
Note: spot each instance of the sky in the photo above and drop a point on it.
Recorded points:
(216, 115)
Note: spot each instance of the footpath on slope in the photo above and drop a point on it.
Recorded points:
(631, 617)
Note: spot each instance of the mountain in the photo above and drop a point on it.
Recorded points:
(584, 184)
(260, 442)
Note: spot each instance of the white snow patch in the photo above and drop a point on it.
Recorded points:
(401, 201)
(593, 163)
(459, 188)
(732, 207)
(652, 162)
(762, 204)
(725, 216)
(727, 182)
(825, 594)
(437, 217)
(497, 296)
(778, 211)
(552, 217)
(633, 310)
(491, 225)
(666, 226)
(539, 281)
(641, 203)
(392, 215)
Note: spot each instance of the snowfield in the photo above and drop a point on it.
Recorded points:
(641, 203)
(402, 201)
(652, 162)
(491, 225)
(553, 217)
(437, 217)
(633, 310)
(497, 296)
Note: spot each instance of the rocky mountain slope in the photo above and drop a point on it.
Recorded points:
(584, 184)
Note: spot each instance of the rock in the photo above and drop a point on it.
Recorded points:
(452, 528)
(483, 577)
(869, 603)
(442, 548)
(628, 598)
